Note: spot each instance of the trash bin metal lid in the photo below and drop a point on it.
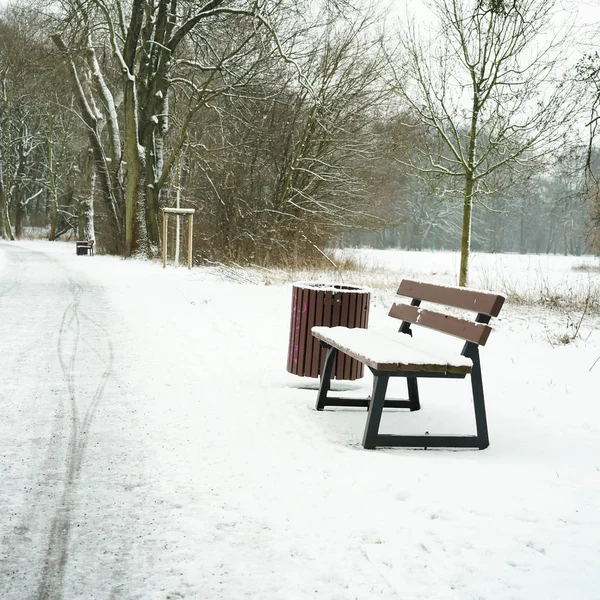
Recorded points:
(331, 287)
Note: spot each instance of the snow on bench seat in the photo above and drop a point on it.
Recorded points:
(392, 351)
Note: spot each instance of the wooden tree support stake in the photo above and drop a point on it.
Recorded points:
(184, 212)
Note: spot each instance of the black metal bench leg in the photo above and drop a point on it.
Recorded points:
(326, 376)
(479, 403)
(413, 393)
(380, 383)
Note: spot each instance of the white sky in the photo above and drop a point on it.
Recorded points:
(588, 11)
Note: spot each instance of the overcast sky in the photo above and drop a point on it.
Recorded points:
(587, 11)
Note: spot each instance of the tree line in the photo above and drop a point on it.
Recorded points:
(291, 125)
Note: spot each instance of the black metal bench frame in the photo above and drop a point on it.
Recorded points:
(489, 305)
(84, 247)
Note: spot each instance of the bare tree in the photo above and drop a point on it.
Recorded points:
(588, 72)
(289, 160)
(157, 46)
(5, 228)
(21, 111)
(488, 86)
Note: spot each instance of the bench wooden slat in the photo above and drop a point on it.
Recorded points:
(310, 346)
(302, 330)
(476, 301)
(460, 328)
(293, 334)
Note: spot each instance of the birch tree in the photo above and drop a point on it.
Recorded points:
(487, 85)
(5, 228)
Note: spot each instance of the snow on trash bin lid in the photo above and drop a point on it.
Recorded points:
(331, 287)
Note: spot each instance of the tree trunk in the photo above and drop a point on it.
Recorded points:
(7, 225)
(153, 109)
(53, 218)
(52, 181)
(465, 244)
(134, 212)
(131, 141)
(132, 191)
(2, 197)
(19, 214)
(152, 204)
(17, 189)
(113, 206)
(89, 231)
(4, 173)
(85, 221)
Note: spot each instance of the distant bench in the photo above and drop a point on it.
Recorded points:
(84, 247)
(400, 355)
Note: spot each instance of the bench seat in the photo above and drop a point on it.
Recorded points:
(388, 351)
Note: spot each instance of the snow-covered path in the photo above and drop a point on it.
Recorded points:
(153, 447)
(68, 514)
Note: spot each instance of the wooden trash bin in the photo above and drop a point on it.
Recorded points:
(329, 305)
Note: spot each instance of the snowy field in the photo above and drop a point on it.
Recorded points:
(526, 276)
(153, 446)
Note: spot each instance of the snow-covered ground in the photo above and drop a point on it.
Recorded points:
(526, 276)
(153, 446)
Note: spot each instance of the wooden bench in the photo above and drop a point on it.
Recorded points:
(84, 247)
(401, 355)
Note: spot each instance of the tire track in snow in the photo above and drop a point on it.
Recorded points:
(17, 300)
(70, 339)
(65, 318)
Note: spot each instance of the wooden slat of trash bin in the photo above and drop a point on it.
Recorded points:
(328, 305)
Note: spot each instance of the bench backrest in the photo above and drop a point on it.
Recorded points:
(485, 304)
